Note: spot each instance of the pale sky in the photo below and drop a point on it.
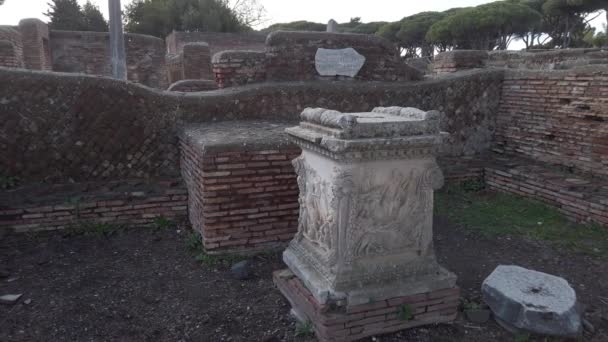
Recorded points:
(286, 10)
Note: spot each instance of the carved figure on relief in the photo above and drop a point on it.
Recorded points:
(392, 215)
(316, 215)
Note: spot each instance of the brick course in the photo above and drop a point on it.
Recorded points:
(11, 47)
(52, 207)
(556, 117)
(233, 68)
(241, 198)
(333, 322)
(578, 198)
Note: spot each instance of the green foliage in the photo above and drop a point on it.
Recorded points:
(410, 33)
(468, 305)
(485, 27)
(8, 182)
(498, 214)
(473, 185)
(521, 337)
(162, 222)
(68, 15)
(94, 229)
(304, 329)
(194, 243)
(354, 26)
(297, 26)
(161, 17)
(405, 312)
(93, 19)
(65, 15)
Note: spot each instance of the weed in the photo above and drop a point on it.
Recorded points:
(473, 185)
(468, 305)
(75, 201)
(194, 241)
(304, 329)
(8, 182)
(405, 312)
(93, 229)
(161, 223)
(498, 214)
(522, 338)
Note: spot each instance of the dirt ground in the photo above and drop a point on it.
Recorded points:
(144, 285)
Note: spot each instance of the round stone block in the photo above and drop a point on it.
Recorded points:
(532, 301)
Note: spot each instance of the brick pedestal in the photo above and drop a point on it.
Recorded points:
(243, 194)
(333, 322)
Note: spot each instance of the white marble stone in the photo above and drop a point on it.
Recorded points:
(533, 301)
(338, 62)
(366, 205)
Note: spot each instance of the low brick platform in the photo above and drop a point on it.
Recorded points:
(582, 199)
(131, 203)
(332, 322)
(243, 193)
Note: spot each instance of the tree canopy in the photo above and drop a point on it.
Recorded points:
(353, 26)
(68, 15)
(161, 17)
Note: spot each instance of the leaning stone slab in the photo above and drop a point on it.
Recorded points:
(533, 301)
(338, 62)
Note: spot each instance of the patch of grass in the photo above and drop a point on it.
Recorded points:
(8, 182)
(521, 338)
(94, 229)
(498, 214)
(161, 223)
(469, 305)
(194, 243)
(304, 329)
(405, 312)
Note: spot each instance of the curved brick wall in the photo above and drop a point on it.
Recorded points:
(58, 127)
(290, 56)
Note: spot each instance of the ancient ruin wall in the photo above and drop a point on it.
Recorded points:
(89, 53)
(217, 41)
(61, 127)
(232, 68)
(12, 47)
(546, 59)
(290, 56)
(36, 46)
(558, 117)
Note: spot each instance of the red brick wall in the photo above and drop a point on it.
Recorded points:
(241, 201)
(558, 117)
(8, 55)
(333, 322)
(36, 46)
(574, 197)
(232, 68)
(452, 61)
(12, 56)
(89, 53)
(217, 41)
(75, 205)
(197, 61)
